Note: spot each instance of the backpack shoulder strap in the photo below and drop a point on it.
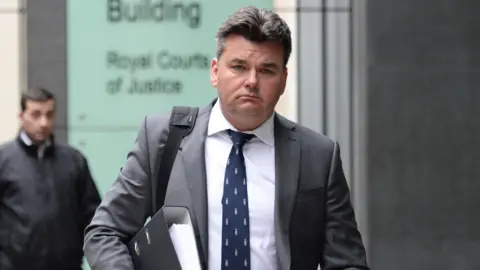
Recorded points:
(182, 121)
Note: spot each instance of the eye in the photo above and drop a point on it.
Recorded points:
(264, 70)
(238, 68)
(35, 114)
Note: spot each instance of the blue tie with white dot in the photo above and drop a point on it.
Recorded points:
(236, 223)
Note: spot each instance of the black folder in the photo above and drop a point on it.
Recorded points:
(152, 248)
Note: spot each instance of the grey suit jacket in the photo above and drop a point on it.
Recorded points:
(314, 219)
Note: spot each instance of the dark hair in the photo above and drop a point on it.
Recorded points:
(35, 94)
(256, 25)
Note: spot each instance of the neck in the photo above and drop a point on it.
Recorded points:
(245, 123)
(29, 141)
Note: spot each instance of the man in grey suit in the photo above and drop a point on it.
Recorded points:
(264, 192)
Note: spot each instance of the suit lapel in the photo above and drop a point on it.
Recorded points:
(193, 155)
(287, 163)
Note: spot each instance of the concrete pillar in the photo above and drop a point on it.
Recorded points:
(11, 66)
(287, 106)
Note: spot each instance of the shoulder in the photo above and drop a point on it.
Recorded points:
(67, 152)
(317, 150)
(11, 155)
(162, 119)
(8, 150)
(310, 138)
(67, 149)
(8, 147)
(155, 121)
(153, 126)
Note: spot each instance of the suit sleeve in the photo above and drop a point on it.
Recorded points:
(343, 243)
(122, 212)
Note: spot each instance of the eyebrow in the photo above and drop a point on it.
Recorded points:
(238, 61)
(244, 62)
(269, 65)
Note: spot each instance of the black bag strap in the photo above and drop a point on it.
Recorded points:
(182, 121)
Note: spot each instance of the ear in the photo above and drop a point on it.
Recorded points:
(214, 72)
(284, 82)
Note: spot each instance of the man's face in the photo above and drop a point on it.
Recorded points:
(38, 119)
(250, 77)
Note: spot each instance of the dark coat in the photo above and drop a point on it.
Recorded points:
(45, 204)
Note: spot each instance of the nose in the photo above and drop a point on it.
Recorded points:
(252, 79)
(43, 121)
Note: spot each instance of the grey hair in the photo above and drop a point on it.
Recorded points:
(256, 25)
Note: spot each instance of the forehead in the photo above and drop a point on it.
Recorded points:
(239, 47)
(40, 105)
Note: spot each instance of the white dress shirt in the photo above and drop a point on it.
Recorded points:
(259, 156)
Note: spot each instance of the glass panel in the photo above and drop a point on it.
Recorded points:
(339, 4)
(128, 58)
(310, 70)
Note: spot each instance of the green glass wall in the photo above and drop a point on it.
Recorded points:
(127, 59)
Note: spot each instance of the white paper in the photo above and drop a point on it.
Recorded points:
(185, 246)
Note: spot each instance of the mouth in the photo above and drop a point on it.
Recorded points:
(249, 97)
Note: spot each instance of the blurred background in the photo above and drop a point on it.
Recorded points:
(395, 82)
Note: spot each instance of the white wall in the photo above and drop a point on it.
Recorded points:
(11, 21)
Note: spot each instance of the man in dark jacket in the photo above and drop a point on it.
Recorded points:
(47, 195)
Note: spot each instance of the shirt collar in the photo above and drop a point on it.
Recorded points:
(219, 123)
(28, 142)
(25, 138)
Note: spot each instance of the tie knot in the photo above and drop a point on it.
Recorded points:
(239, 138)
